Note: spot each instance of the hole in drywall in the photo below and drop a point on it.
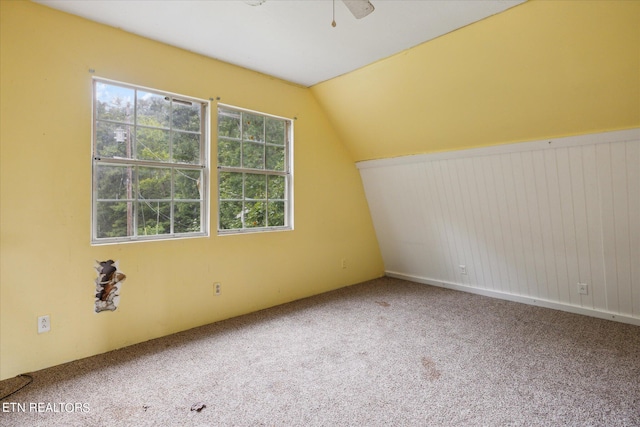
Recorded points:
(108, 284)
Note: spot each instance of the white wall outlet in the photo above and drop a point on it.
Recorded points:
(44, 324)
(217, 288)
(463, 269)
(583, 289)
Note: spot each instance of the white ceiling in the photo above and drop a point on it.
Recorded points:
(289, 39)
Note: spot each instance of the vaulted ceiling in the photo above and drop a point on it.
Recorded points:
(291, 40)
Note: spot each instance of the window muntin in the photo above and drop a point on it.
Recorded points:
(254, 171)
(149, 164)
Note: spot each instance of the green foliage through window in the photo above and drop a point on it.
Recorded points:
(254, 171)
(149, 164)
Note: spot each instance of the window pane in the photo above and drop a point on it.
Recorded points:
(252, 127)
(255, 186)
(276, 214)
(187, 184)
(145, 144)
(247, 199)
(276, 187)
(152, 144)
(230, 185)
(114, 182)
(114, 103)
(114, 219)
(228, 153)
(112, 140)
(154, 183)
(228, 123)
(252, 155)
(153, 110)
(255, 214)
(275, 131)
(186, 217)
(186, 117)
(186, 147)
(275, 158)
(230, 215)
(154, 218)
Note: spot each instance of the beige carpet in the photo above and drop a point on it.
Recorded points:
(382, 353)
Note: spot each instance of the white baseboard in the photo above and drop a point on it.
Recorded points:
(518, 298)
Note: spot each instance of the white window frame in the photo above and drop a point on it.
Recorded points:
(287, 174)
(203, 166)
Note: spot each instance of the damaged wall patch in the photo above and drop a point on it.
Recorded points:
(108, 285)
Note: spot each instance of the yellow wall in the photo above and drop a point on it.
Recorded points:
(46, 259)
(541, 69)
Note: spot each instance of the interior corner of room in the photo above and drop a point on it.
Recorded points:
(502, 159)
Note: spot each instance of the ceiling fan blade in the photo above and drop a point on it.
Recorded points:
(359, 8)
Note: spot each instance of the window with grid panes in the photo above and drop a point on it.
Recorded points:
(254, 171)
(150, 170)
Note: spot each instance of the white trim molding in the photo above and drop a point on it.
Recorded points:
(543, 144)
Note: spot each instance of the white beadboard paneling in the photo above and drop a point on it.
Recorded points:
(490, 225)
(550, 286)
(594, 228)
(576, 163)
(605, 185)
(558, 252)
(438, 221)
(529, 221)
(633, 178)
(508, 257)
(447, 226)
(568, 225)
(524, 219)
(621, 224)
(489, 201)
(514, 218)
(490, 278)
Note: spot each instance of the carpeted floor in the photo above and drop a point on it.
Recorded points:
(382, 353)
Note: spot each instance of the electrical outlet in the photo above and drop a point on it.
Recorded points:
(44, 324)
(217, 288)
(463, 269)
(583, 289)
(343, 263)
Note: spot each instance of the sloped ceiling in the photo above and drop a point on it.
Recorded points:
(540, 70)
(291, 40)
(537, 70)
